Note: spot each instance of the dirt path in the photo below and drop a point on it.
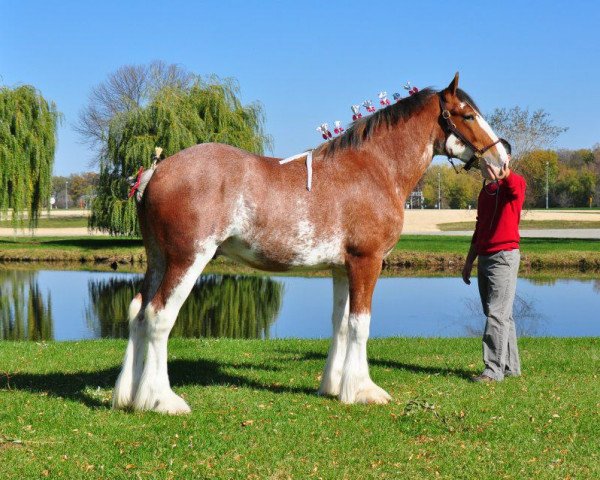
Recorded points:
(424, 221)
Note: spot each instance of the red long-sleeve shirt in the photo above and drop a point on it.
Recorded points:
(498, 215)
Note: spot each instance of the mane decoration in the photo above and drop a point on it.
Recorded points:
(384, 101)
(411, 90)
(369, 107)
(363, 128)
(323, 129)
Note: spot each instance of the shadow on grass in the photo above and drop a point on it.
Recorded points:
(88, 243)
(385, 363)
(96, 243)
(77, 386)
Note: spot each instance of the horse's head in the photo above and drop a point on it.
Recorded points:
(467, 134)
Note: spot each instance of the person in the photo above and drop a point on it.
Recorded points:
(496, 243)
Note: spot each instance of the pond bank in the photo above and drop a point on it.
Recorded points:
(421, 252)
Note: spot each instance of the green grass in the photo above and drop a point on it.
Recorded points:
(527, 225)
(88, 249)
(52, 222)
(460, 244)
(255, 413)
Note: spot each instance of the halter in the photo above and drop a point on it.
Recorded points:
(451, 126)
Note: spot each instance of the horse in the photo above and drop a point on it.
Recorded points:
(213, 199)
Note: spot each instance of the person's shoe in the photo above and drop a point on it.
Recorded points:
(482, 379)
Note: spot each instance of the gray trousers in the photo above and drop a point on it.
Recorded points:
(497, 280)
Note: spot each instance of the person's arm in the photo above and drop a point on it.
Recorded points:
(471, 256)
(515, 184)
(468, 267)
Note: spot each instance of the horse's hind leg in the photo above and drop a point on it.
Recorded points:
(356, 385)
(133, 363)
(154, 390)
(332, 375)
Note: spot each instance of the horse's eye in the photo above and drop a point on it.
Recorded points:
(469, 117)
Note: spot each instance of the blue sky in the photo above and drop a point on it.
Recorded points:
(307, 62)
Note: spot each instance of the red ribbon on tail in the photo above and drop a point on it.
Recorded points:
(136, 185)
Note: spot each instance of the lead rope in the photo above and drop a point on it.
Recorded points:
(309, 158)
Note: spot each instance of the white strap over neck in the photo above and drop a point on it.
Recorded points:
(308, 156)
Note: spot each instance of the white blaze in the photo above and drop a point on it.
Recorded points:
(456, 148)
(497, 155)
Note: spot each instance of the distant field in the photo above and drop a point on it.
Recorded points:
(527, 225)
(52, 222)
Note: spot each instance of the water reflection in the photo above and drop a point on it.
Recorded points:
(76, 305)
(219, 306)
(529, 321)
(24, 312)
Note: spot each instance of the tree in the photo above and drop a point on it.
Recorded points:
(219, 306)
(533, 167)
(176, 118)
(128, 88)
(80, 191)
(524, 130)
(28, 124)
(457, 191)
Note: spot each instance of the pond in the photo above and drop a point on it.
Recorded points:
(73, 305)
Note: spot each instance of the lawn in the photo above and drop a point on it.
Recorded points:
(86, 249)
(460, 244)
(256, 415)
(52, 222)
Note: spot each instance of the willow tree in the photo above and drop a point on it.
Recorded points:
(28, 124)
(176, 118)
(25, 313)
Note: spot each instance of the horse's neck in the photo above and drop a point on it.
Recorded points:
(406, 150)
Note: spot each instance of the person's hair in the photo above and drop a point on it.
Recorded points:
(506, 146)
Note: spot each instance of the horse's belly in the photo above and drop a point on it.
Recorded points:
(275, 255)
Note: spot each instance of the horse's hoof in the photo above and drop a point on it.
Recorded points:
(122, 397)
(121, 402)
(369, 393)
(330, 387)
(164, 402)
(373, 394)
(172, 405)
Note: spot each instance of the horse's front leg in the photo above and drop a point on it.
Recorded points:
(332, 375)
(356, 385)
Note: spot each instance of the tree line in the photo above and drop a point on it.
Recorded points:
(140, 107)
(572, 178)
(565, 178)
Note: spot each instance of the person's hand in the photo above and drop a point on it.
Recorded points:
(466, 272)
(504, 172)
(493, 173)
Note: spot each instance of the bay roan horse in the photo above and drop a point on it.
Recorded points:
(214, 198)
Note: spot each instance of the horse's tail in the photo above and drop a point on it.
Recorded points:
(138, 183)
(143, 180)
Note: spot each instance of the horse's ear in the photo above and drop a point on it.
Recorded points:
(451, 89)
